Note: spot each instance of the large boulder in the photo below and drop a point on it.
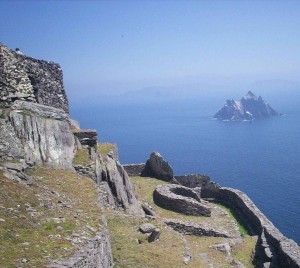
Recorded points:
(158, 168)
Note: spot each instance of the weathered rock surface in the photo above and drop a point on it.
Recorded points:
(154, 235)
(223, 248)
(148, 210)
(147, 228)
(44, 133)
(157, 167)
(17, 171)
(96, 254)
(190, 228)
(120, 186)
(180, 199)
(248, 108)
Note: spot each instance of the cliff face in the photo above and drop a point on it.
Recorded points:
(248, 108)
(44, 133)
(35, 129)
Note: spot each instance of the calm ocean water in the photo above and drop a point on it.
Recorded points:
(262, 159)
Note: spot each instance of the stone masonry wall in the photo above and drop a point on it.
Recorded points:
(134, 169)
(193, 180)
(285, 252)
(25, 78)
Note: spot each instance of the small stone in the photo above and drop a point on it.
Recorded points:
(2, 220)
(154, 235)
(59, 228)
(223, 248)
(147, 228)
(24, 260)
(186, 259)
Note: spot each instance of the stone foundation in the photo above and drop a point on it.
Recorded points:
(180, 199)
(189, 228)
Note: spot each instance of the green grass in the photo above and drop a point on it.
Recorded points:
(104, 148)
(170, 249)
(145, 186)
(82, 157)
(127, 252)
(242, 228)
(32, 215)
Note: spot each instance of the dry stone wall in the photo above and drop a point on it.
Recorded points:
(25, 78)
(279, 250)
(180, 199)
(134, 169)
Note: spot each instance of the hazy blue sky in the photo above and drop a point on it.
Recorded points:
(110, 45)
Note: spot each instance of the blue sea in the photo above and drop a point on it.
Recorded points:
(262, 158)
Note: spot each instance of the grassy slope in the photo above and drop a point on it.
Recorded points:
(170, 249)
(32, 214)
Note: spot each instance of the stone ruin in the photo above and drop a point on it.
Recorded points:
(28, 79)
(180, 199)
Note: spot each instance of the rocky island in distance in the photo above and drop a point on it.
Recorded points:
(66, 200)
(248, 108)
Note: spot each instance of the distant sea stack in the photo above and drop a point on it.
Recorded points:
(248, 108)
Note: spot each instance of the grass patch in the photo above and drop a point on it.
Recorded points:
(127, 252)
(39, 220)
(104, 148)
(244, 250)
(82, 157)
(122, 230)
(242, 228)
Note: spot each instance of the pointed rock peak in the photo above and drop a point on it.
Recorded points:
(250, 94)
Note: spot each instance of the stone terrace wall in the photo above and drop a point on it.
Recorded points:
(29, 79)
(286, 253)
(193, 180)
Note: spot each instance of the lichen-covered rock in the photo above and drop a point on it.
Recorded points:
(157, 167)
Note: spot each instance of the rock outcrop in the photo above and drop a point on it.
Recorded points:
(44, 133)
(248, 108)
(157, 167)
(119, 185)
(37, 133)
